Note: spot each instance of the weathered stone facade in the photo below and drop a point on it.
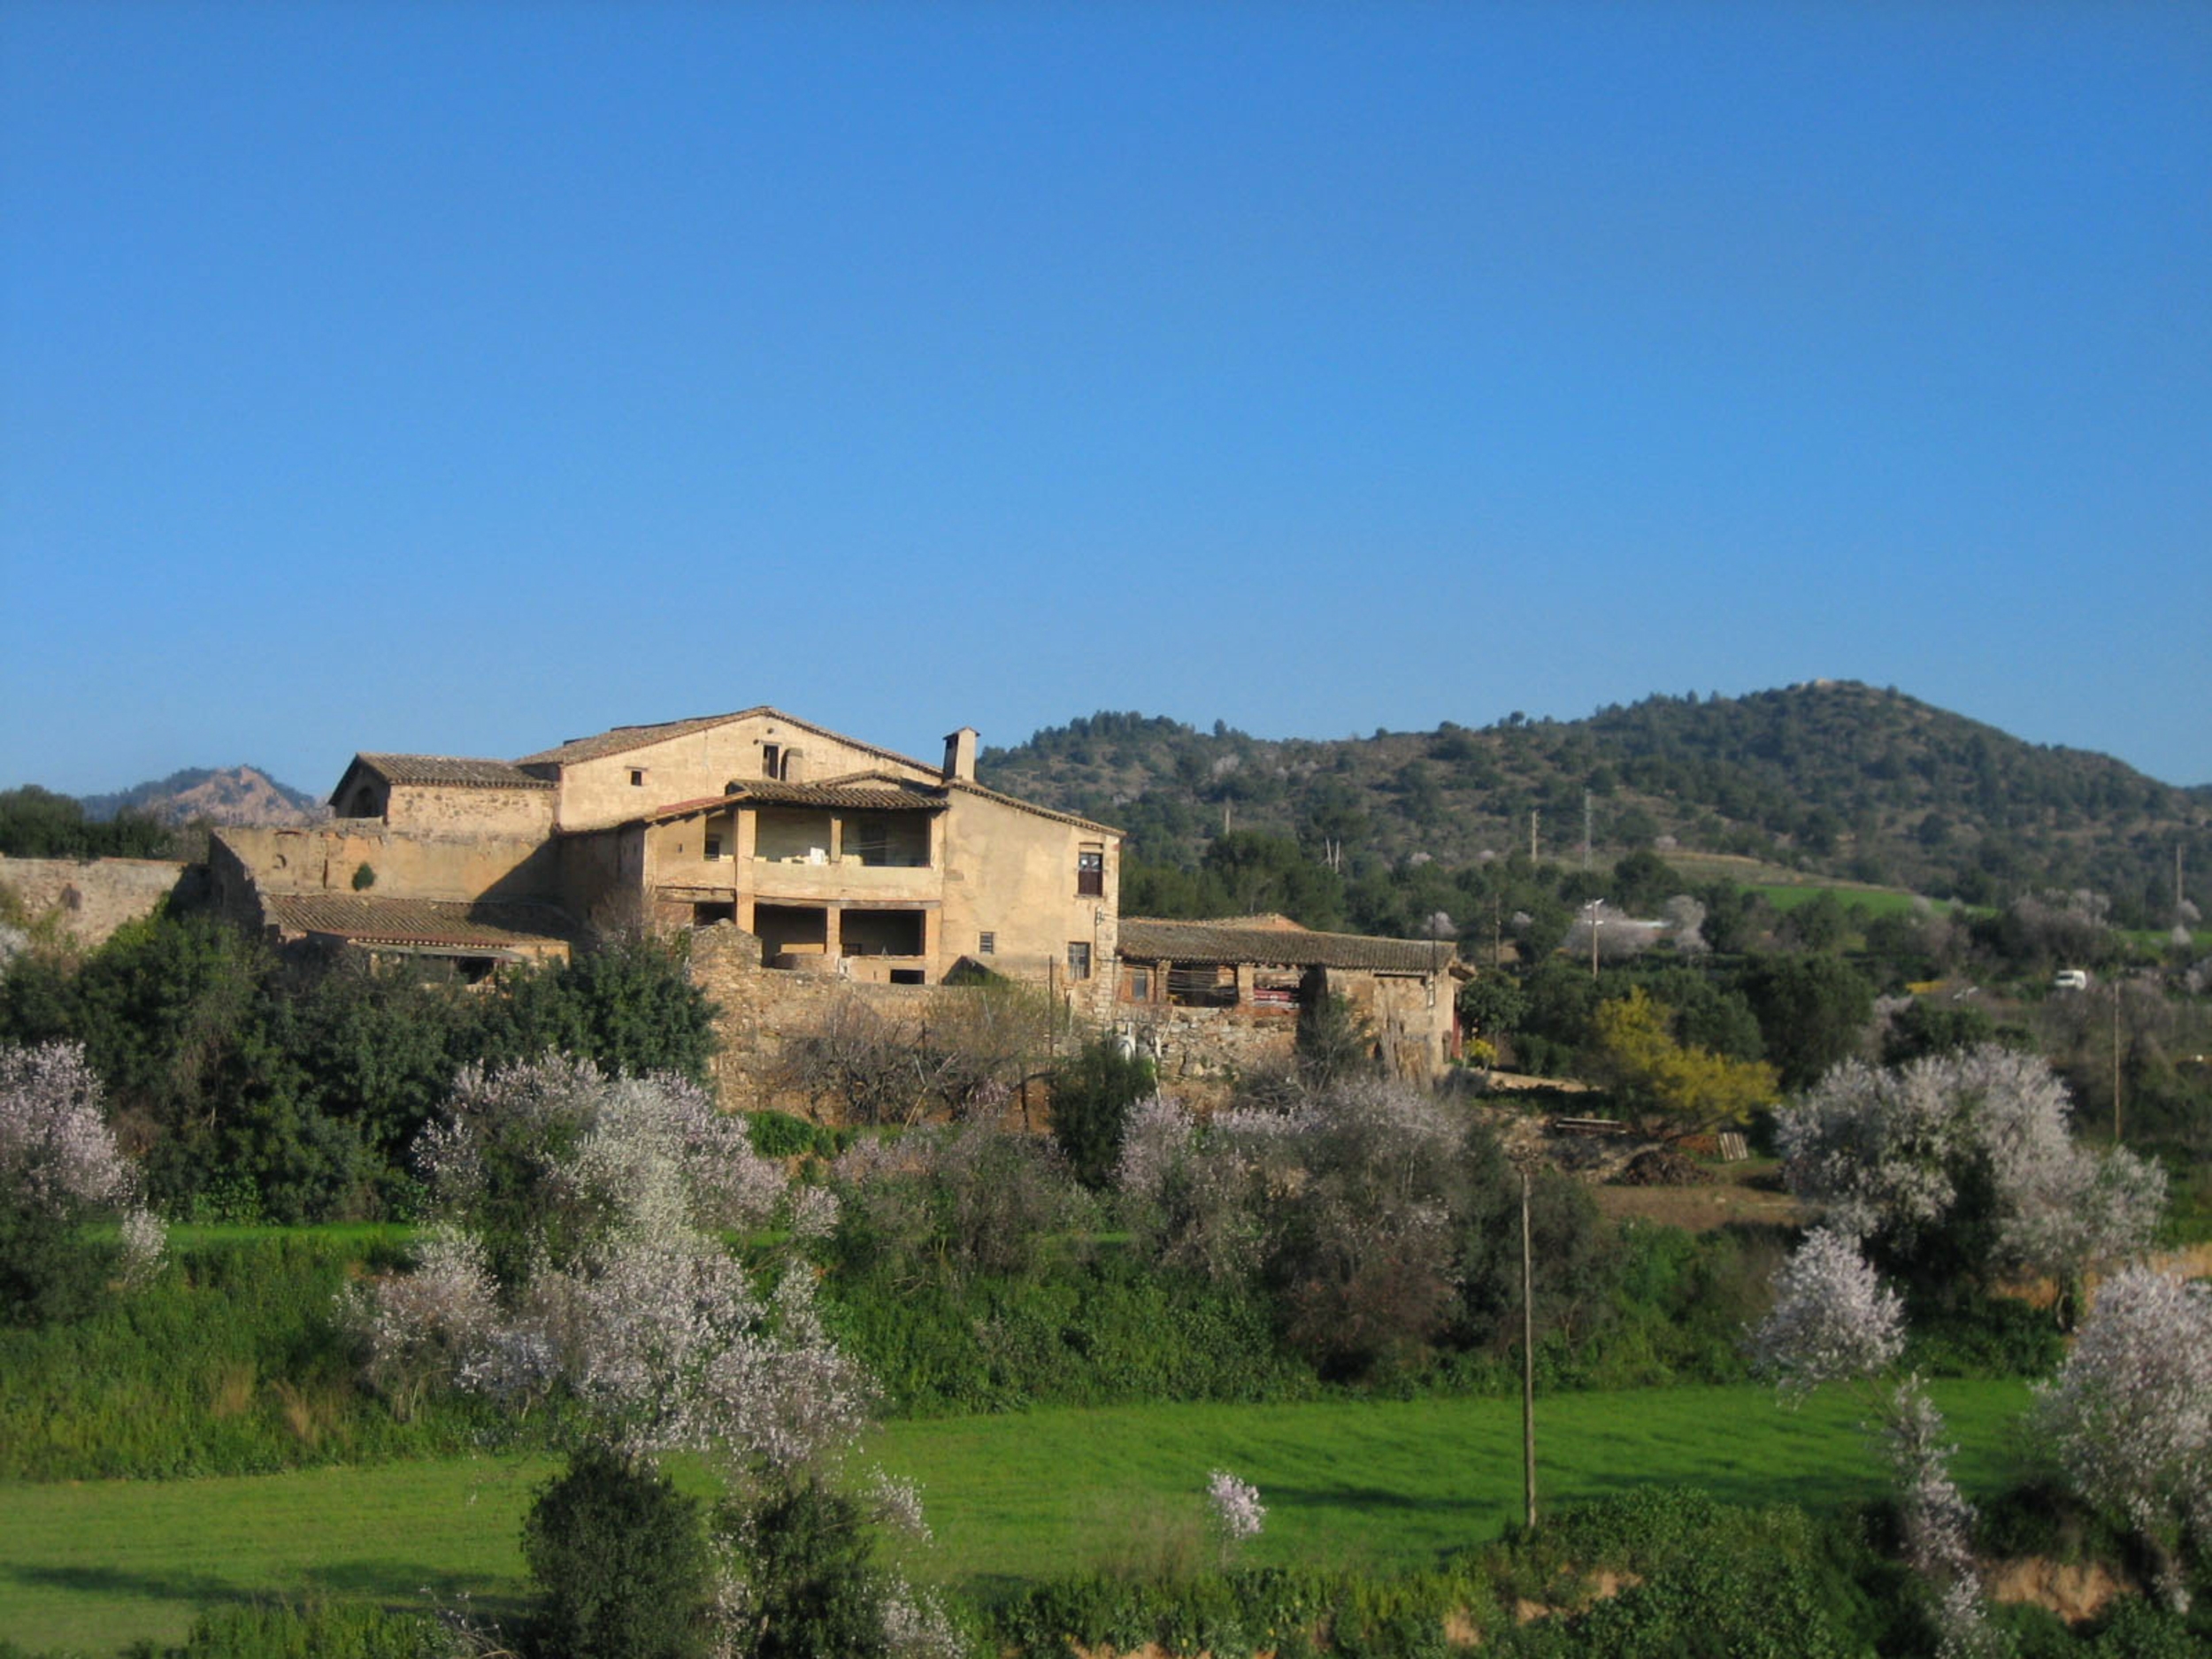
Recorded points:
(89, 898)
(838, 855)
(1212, 999)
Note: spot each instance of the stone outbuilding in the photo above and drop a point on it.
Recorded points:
(1211, 998)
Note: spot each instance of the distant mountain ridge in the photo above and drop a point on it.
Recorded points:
(1832, 777)
(232, 794)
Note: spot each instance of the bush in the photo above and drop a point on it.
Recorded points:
(813, 1585)
(775, 1135)
(619, 1560)
(1091, 1097)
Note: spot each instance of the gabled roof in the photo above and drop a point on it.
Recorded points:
(621, 739)
(1020, 805)
(1271, 944)
(624, 739)
(487, 924)
(453, 771)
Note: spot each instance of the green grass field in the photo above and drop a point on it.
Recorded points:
(95, 1565)
(1874, 901)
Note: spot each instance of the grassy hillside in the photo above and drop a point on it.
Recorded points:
(1833, 777)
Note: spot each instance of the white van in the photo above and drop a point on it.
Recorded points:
(2071, 979)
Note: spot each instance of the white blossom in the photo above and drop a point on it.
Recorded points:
(57, 1156)
(627, 1306)
(1156, 1135)
(56, 1153)
(898, 1503)
(2130, 1413)
(1237, 1511)
(1889, 1151)
(915, 1625)
(1832, 1319)
(145, 1241)
(1938, 1521)
(812, 1213)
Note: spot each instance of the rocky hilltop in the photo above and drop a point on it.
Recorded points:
(233, 795)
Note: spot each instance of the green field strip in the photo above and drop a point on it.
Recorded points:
(1382, 1484)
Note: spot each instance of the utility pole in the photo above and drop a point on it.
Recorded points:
(1585, 832)
(1532, 815)
(1595, 919)
(1528, 1363)
(2115, 1059)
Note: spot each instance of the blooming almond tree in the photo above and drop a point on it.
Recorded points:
(1834, 1321)
(577, 1261)
(1237, 1513)
(59, 1168)
(1967, 1153)
(2130, 1413)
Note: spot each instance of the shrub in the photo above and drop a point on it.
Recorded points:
(1091, 1097)
(813, 1590)
(619, 1559)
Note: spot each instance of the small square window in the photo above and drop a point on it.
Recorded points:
(986, 944)
(714, 846)
(637, 778)
(1078, 959)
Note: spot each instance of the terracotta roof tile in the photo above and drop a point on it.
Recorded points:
(490, 924)
(622, 739)
(887, 795)
(1233, 939)
(454, 770)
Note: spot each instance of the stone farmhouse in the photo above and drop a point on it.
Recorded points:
(842, 859)
(809, 865)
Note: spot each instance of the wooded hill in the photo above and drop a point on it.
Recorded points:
(1833, 777)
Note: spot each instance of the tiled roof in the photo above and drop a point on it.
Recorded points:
(1233, 941)
(490, 924)
(450, 769)
(624, 738)
(886, 795)
(1020, 805)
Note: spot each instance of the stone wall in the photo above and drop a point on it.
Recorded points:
(91, 897)
(1200, 1052)
(757, 1007)
(449, 809)
(404, 865)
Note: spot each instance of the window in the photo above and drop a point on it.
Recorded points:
(986, 944)
(714, 846)
(1078, 959)
(637, 778)
(1136, 985)
(770, 758)
(1090, 873)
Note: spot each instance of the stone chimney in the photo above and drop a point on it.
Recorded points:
(960, 756)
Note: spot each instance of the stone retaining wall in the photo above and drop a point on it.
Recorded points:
(92, 897)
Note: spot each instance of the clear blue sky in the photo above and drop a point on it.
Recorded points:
(462, 378)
